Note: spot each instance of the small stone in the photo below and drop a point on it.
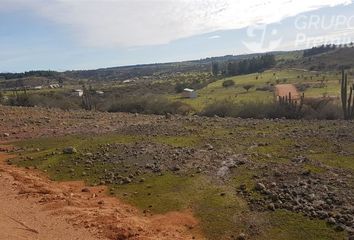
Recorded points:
(85, 190)
(243, 187)
(176, 168)
(331, 221)
(260, 187)
(241, 236)
(69, 150)
(209, 146)
(271, 207)
(126, 180)
(340, 227)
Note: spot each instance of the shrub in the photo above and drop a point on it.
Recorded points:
(322, 108)
(180, 87)
(150, 105)
(265, 88)
(247, 87)
(222, 109)
(21, 99)
(228, 83)
(302, 86)
(318, 109)
(50, 99)
(254, 110)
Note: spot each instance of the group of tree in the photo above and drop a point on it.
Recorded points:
(28, 74)
(319, 50)
(247, 66)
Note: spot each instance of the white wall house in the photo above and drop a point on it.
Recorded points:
(52, 86)
(189, 93)
(78, 93)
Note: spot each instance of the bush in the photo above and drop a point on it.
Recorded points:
(302, 86)
(180, 87)
(322, 108)
(51, 100)
(265, 88)
(319, 109)
(21, 99)
(222, 109)
(150, 105)
(247, 87)
(228, 83)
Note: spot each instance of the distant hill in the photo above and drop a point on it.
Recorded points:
(332, 60)
(329, 60)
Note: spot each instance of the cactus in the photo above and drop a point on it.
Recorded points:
(347, 100)
(293, 104)
(87, 99)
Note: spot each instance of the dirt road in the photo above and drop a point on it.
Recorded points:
(33, 207)
(283, 90)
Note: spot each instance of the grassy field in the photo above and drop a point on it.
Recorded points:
(216, 92)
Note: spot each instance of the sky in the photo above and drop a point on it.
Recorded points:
(88, 34)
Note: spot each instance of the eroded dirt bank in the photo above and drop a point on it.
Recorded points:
(33, 207)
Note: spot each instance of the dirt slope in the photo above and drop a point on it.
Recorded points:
(32, 207)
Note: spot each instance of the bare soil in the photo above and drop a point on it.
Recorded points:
(283, 90)
(33, 207)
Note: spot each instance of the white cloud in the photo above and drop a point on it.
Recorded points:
(121, 23)
(214, 37)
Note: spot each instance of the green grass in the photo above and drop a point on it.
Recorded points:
(293, 226)
(334, 160)
(161, 194)
(216, 92)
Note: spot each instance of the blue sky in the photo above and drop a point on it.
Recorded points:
(88, 34)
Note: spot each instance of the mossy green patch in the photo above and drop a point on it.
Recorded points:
(335, 160)
(215, 205)
(293, 226)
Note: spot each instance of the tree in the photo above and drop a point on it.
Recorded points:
(232, 69)
(253, 65)
(247, 87)
(215, 69)
(180, 87)
(228, 83)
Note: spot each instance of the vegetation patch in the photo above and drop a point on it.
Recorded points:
(293, 226)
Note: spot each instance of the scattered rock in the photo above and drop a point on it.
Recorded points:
(241, 236)
(331, 221)
(209, 146)
(260, 187)
(85, 190)
(69, 150)
(271, 207)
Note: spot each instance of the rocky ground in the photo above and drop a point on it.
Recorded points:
(244, 169)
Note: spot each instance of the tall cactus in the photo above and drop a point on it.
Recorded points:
(347, 100)
(293, 103)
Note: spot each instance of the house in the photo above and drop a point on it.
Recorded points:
(99, 92)
(189, 93)
(128, 81)
(38, 88)
(78, 93)
(52, 86)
